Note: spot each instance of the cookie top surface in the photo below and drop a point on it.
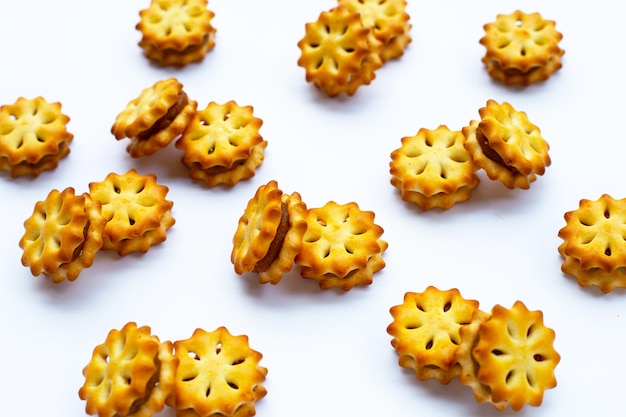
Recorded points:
(221, 135)
(218, 374)
(387, 18)
(515, 355)
(175, 24)
(432, 162)
(257, 227)
(31, 130)
(594, 233)
(426, 325)
(132, 204)
(340, 239)
(122, 373)
(521, 40)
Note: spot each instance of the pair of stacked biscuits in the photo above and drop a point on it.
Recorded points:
(126, 213)
(506, 356)
(522, 48)
(438, 168)
(176, 32)
(346, 45)
(135, 374)
(33, 136)
(337, 245)
(221, 143)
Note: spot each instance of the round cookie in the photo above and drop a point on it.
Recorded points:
(33, 136)
(218, 374)
(222, 144)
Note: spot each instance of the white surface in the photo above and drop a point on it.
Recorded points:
(327, 351)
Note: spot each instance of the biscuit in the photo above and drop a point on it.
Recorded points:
(156, 117)
(131, 374)
(593, 247)
(136, 210)
(63, 235)
(507, 145)
(222, 144)
(514, 356)
(522, 48)
(269, 233)
(176, 32)
(338, 53)
(218, 374)
(33, 136)
(433, 169)
(426, 332)
(342, 246)
(389, 22)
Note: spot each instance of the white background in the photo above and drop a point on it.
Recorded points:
(327, 352)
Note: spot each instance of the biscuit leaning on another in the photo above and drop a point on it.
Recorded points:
(269, 233)
(33, 136)
(155, 118)
(63, 235)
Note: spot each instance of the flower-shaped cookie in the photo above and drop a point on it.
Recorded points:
(131, 374)
(136, 210)
(156, 117)
(515, 357)
(522, 48)
(222, 144)
(176, 32)
(388, 20)
(269, 233)
(63, 235)
(338, 53)
(342, 246)
(33, 136)
(433, 169)
(593, 247)
(218, 375)
(426, 331)
(507, 145)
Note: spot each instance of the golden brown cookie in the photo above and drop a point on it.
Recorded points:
(389, 22)
(156, 117)
(522, 48)
(33, 136)
(507, 145)
(426, 331)
(433, 169)
(176, 32)
(338, 53)
(63, 235)
(342, 246)
(269, 233)
(218, 375)
(593, 247)
(136, 210)
(222, 144)
(514, 356)
(131, 374)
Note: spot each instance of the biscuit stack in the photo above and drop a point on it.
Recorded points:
(522, 48)
(33, 136)
(506, 355)
(176, 32)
